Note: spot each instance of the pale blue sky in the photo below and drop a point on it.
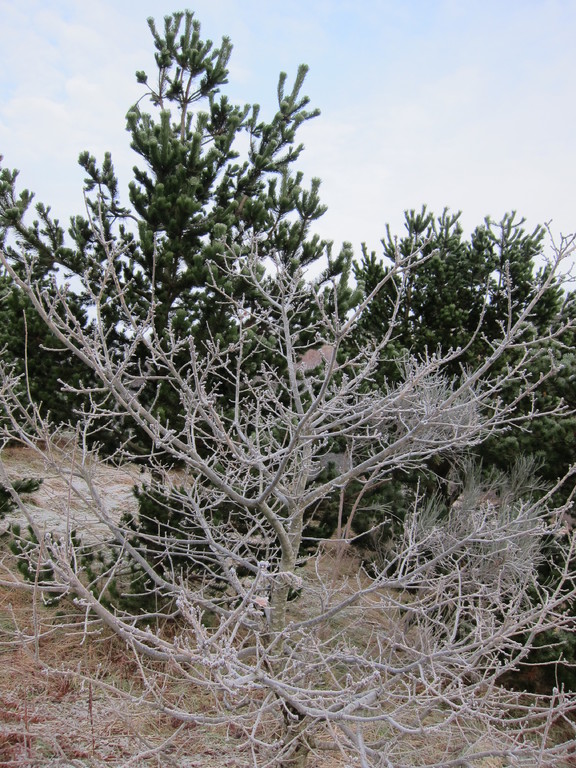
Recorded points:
(464, 104)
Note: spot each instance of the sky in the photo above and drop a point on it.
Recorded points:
(466, 104)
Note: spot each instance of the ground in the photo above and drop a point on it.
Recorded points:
(70, 692)
(68, 699)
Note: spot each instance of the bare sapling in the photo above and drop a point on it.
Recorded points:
(395, 662)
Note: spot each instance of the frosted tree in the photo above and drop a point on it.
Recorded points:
(294, 653)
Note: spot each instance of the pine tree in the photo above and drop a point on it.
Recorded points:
(38, 359)
(196, 197)
(457, 297)
(211, 176)
(456, 294)
(193, 187)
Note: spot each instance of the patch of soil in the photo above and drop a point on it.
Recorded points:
(63, 501)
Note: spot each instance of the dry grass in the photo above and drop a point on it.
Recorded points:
(62, 700)
(74, 699)
(71, 698)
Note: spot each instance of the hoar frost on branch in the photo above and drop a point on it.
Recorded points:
(406, 652)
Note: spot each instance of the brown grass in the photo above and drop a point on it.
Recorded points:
(62, 700)
(68, 699)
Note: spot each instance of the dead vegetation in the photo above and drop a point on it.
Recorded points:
(75, 698)
(72, 694)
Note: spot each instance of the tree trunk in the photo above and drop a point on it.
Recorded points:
(296, 755)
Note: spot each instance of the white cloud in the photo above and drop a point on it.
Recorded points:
(447, 103)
